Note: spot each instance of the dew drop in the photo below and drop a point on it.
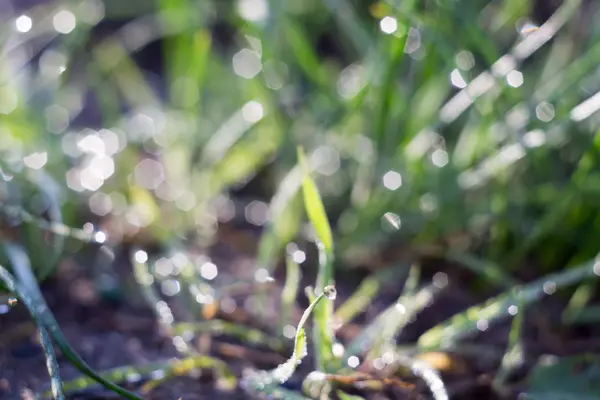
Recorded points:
(330, 292)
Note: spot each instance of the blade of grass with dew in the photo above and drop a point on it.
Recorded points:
(323, 329)
(41, 313)
(226, 380)
(497, 308)
(424, 371)
(289, 293)
(241, 332)
(258, 381)
(153, 371)
(51, 362)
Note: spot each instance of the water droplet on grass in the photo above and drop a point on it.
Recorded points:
(330, 292)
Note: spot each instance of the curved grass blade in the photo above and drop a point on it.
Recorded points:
(218, 327)
(154, 371)
(259, 381)
(36, 304)
(465, 323)
(51, 362)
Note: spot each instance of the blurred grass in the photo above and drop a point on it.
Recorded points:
(466, 131)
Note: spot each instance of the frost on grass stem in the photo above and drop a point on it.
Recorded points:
(261, 380)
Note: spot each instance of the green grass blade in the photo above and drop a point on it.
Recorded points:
(323, 332)
(51, 362)
(155, 371)
(41, 313)
(314, 206)
(465, 323)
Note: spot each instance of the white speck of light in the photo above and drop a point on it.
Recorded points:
(170, 287)
(289, 331)
(90, 180)
(253, 10)
(353, 361)
(586, 108)
(513, 310)
(149, 173)
(549, 287)
(253, 111)
(257, 212)
(91, 144)
(100, 237)
(36, 160)
(440, 280)
(164, 267)
(262, 275)
(337, 349)
(483, 325)
(514, 78)
(64, 21)
(388, 25)
(351, 81)
(23, 24)
(439, 158)
(400, 308)
(209, 271)
(392, 180)
(534, 138)
(246, 63)
(299, 256)
(457, 79)
(465, 60)
(140, 256)
(100, 203)
(545, 112)
(596, 268)
(393, 219)
(378, 363)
